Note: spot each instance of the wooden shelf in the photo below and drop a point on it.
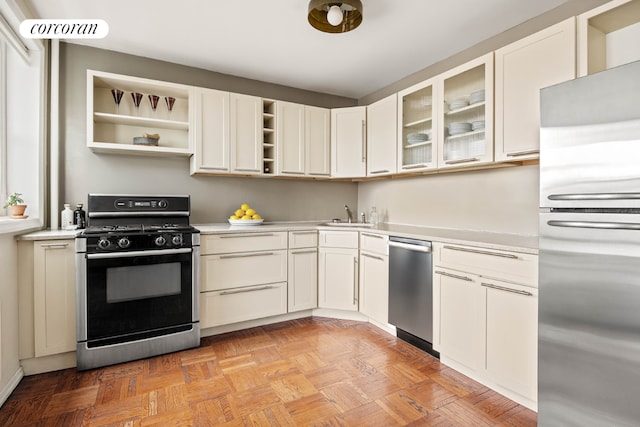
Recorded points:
(466, 134)
(419, 144)
(418, 122)
(117, 148)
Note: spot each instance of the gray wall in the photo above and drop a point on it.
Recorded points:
(213, 198)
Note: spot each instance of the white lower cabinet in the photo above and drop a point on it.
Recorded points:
(238, 285)
(302, 270)
(484, 326)
(338, 270)
(46, 297)
(461, 322)
(240, 304)
(511, 313)
(374, 276)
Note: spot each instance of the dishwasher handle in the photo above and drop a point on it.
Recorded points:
(410, 247)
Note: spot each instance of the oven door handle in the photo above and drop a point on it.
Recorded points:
(139, 253)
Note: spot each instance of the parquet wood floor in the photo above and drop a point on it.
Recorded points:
(306, 372)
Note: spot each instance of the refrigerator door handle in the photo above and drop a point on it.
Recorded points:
(595, 196)
(594, 224)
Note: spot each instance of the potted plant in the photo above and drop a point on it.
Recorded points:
(16, 205)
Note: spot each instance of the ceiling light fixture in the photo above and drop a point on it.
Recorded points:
(335, 16)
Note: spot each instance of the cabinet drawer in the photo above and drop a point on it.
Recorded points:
(242, 269)
(499, 264)
(339, 239)
(377, 243)
(242, 242)
(303, 239)
(237, 305)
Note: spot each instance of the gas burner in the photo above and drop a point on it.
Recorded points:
(101, 229)
(167, 227)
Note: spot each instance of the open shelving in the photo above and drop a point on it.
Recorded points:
(111, 128)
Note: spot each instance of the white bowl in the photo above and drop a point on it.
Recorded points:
(245, 221)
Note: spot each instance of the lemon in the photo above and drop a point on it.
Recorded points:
(246, 217)
(250, 212)
(245, 206)
(239, 213)
(233, 217)
(256, 216)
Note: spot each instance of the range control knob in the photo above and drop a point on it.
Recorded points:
(176, 239)
(124, 242)
(160, 241)
(103, 243)
(162, 204)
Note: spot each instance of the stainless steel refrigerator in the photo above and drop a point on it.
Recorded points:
(589, 290)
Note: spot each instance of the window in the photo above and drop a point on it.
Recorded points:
(22, 124)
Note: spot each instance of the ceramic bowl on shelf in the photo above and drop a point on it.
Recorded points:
(457, 128)
(415, 138)
(458, 103)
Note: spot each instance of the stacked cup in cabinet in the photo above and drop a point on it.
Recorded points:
(243, 277)
(486, 316)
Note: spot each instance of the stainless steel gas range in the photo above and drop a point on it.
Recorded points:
(137, 279)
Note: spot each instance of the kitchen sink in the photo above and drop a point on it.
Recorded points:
(348, 224)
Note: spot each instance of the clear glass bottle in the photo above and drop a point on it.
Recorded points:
(66, 217)
(373, 216)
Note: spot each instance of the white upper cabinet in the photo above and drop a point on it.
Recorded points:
(382, 136)
(303, 140)
(112, 127)
(465, 126)
(608, 36)
(290, 137)
(417, 129)
(348, 142)
(317, 124)
(522, 69)
(246, 132)
(211, 129)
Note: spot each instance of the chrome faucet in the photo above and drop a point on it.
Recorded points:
(349, 216)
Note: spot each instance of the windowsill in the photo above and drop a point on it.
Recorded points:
(18, 226)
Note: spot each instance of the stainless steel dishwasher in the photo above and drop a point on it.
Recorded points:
(411, 291)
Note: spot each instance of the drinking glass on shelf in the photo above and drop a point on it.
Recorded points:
(170, 101)
(153, 100)
(117, 97)
(137, 98)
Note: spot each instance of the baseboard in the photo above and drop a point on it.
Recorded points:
(10, 386)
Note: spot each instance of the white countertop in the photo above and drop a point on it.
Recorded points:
(513, 242)
(505, 241)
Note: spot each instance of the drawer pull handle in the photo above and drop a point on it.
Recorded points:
(356, 272)
(380, 171)
(233, 236)
(502, 288)
(375, 236)
(246, 170)
(374, 257)
(416, 166)
(455, 162)
(523, 153)
(310, 251)
(246, 255)
(242, 291)
(54, 245)
(477, 251)
(455, 276)
(293, 172)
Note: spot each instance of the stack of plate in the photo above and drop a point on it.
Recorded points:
(477, 124)
(476, 96)
(415, 138)
(457, 104)
(459, 127)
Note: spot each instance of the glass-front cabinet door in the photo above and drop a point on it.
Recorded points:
(465, 129)
(417, 128)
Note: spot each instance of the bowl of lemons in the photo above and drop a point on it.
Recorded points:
(246, 215)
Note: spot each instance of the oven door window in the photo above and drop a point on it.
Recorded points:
(141, 294)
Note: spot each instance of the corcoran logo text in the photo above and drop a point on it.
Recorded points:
(64, 28)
